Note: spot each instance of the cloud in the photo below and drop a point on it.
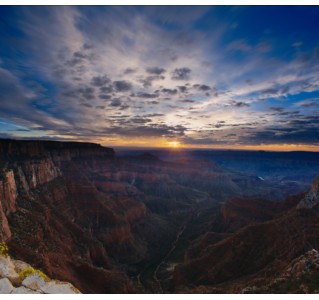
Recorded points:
(147, 95)
(202, 87)
(183, 88)
(100, 80)
(148, 81)
(96, 63)
(277, 109)
(107, 89)
(129, 71)
(181, 15)
(153, 102)
(150, 130)
(23, 130)
(105, 96)
(201, 141)
(122, 86)
(140, 120)
(239, 104)
(263, 47)
(270, 91)
(308, 104)
(87, 93)
(181, 74)
(154, 115)
(290, 135)
(116, 102)
(169, 91)
(155, 70)
(239, 45)
(86, 105)
(187, 101)
(17, 104)
(296, 44)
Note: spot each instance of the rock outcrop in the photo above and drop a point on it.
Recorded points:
(312, 198)
(17, 277)
(300, 276)
(306, 263)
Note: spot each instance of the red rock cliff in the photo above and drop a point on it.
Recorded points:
(53, 216)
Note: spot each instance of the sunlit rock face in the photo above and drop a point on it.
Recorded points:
(24, 167)
(18, 277)
(8, 195)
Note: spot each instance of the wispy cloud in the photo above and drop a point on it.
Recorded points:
(183, 72)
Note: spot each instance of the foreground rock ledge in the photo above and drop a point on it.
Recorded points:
(11, 283)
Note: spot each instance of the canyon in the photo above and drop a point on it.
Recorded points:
(109, 223)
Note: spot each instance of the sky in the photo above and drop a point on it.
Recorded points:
(238, 77)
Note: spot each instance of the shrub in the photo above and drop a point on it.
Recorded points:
(30, 271)
(3, 249)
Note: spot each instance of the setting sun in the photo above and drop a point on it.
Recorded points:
(173, 144)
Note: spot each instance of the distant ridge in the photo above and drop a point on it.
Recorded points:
(39, 148)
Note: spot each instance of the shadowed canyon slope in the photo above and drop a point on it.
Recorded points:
(111, 224)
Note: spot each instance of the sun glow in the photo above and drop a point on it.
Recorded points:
(173, 144)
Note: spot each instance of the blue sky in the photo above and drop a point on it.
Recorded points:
(202, 76)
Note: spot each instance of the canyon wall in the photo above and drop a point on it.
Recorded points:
(53, 216)
(104, 223)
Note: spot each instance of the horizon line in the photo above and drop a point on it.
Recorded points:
(255, 148)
